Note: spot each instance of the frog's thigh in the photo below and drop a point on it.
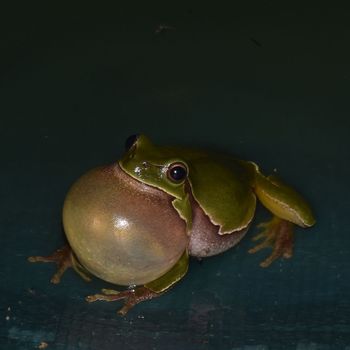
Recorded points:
(164, 282)
(283, 201)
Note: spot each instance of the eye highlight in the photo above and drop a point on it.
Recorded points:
(177, 172)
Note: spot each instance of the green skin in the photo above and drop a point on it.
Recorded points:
(225, 188)
(216, 196)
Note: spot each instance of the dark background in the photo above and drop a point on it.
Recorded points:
(266, 80)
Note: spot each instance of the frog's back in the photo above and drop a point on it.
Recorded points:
(223, 188)
(222, 199)
(223, 202)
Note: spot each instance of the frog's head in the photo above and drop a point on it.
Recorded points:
(219, 186)
(160, 167)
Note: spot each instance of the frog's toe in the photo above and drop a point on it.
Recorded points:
(258, 247)
(107, 295)
(263, 234)
(131, 297)
(278, 234)
(62, 258)
(263, 224)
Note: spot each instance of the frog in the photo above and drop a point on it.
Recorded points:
(137, 221)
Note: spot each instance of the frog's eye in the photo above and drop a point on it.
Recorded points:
(177, 172)
(130, 141)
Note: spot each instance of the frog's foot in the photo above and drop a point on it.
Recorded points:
(64, 259)
(131, 296)
(278, 234)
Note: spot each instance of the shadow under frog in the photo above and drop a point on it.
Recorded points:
(137, 221)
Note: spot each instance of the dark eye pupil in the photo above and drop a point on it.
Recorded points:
(130, 141)
(177, 173)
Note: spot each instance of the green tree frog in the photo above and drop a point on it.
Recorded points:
(136, 222)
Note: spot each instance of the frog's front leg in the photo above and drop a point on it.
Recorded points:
(64, 259)
(131, 297)
(149, 291)
(288, 207)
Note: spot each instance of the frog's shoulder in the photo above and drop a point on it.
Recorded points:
(222, 186)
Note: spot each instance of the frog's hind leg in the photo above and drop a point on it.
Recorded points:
(288, 208)
(64, 259)
(149, 291)
(131, 297)
(278, 234)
